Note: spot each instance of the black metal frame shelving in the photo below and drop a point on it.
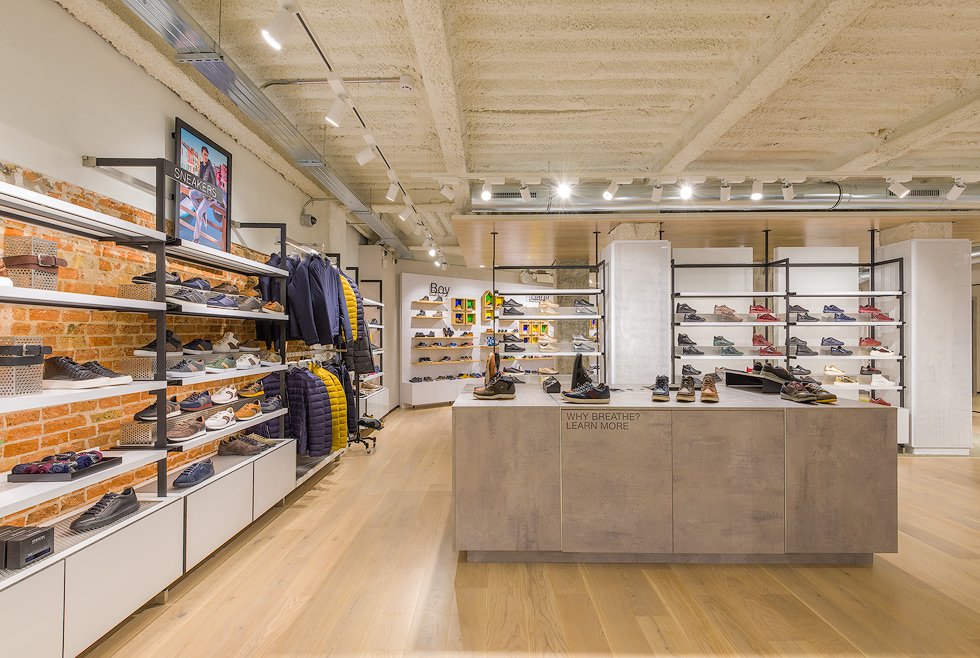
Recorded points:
(599, 269)
(788, 295)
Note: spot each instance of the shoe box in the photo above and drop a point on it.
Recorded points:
(21, 546)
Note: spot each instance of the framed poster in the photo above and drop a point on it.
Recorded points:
(203, 198)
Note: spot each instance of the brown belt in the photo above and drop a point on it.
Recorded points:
(41, 262)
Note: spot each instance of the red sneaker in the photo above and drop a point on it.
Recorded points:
(767, 317)
(759, 309)
(880, 317)
(868, 309)
(879, 401)
(759, 339)
(869, 342)
(769, 351)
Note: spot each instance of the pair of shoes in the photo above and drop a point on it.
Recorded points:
(173, 346)
(805, 392)
(688, 390)
(60, 372)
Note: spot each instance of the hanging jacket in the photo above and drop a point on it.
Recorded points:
(344, 376)
(316, 413)
(357, 325)
(334, 296)
(349, 308)
(318, 298)
(300, 304)
(292, 289)
(338, 407)
(359, 358)
(270, 428)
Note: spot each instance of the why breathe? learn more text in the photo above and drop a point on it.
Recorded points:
(600, 420)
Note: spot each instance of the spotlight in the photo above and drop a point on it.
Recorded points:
(564, 190)
(610, 191)
(365, 156)
(405, 213)
(756, 189)
(436, 262)
(525, 194)
(487, 192)
(337, 112)
(898, 189)
(443, 266)
(686, 191)
(657, 193)
(432, 251)
(447, 192)
(392, 192)
(788, 192)
(955, 191)
(280, 28)
(726, 192)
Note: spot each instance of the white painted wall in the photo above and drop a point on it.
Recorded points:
(68, 93)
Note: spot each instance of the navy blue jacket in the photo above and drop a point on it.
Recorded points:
(301, 305)
(269, 292)
(318, 297)
(344, 376)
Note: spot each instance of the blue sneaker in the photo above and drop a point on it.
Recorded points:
(840, 317)
(832, 309)
(830, 341)
(222, 301)
(196, 401)
(271, 404)
(194, 474)
(588, 394)
(840, 351)
(197, 283)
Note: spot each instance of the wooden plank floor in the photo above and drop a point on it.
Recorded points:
(362, 563)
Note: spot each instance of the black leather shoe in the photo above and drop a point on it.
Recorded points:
(513, 347)
(111, 508)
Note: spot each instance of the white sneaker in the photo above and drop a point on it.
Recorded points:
(548, 310)
(547, 303)
(270, 359)
(832, 370)
(881, 380)
(221, 420)
(881, 351)
(225, 395)
(548, 347)
(547, 339)
(248, 362)
(228, 343)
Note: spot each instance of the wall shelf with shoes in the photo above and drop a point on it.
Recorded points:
(197, 254)
(55, 397)
(204, 378)
(205, 311)
(36, 297)
(235, 428)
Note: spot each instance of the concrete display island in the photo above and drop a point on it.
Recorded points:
(752, 478)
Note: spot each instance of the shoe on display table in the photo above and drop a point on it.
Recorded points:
(221, 420)
(186, 367)
(194, 474)
(832, 370)
(758, 340)
(869, 370)
(587, 394)
(769, 350)
(661, 389)
(198, 346)
(796, 341)
(731, 351)
(868, 309)
(692, 317)
(234, 446)
(799, 370)
(874, 400)
(227, 343)
(253, 390)
(823, 395)
(881, 351)
(221, 364)
(689, 370)
(796, 392)
(247, 362)
(722, 309)
(115, 378)
(729, 317)
(844, 380)
(709, 393)
(837, 350)
(187, 430)
(803, 350)
(868, 341)
(110, 508)
(759, 309)
(60, 372)
(198, 401)
(881, 317)
(497, 388)
(840, 317)
(249, 411)
(687, 391)
(796, 308)
(150, 412)
(805, 317)
(691, 351)
(169, 278)
(173, 347)
(881, 380)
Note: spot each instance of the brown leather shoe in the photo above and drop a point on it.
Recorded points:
(686, 392)
(238, 447)
(708, 391)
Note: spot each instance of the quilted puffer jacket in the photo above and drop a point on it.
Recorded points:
(351, 309)
(344, 376)
(338, 408)
(318, 297)
(270, 428)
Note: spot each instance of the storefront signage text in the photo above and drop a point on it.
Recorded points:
(600, 420)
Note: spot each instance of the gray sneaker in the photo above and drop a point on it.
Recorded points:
(186, 367)
(251, 304)
(188, 296)
(583, 347)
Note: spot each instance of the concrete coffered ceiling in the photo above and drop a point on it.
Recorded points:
(593, 88)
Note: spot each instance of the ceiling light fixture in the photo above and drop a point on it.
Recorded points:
(896, 188)
(726, 192)
(788, 192)
(447, 192)
(954, 192)
(443, 266)
(283, 24)
(564, 190)
(392, 192)
(432, 251)
(610, 191)
(525, 194)
(756, 189)
(487, 192)
(407, 210)
(657, 193)
(686, 191)
(365, 156)
(337, 112)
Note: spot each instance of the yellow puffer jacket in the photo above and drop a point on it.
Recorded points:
(338, 405)
(351, 306)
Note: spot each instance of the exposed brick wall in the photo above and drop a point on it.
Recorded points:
(95, 268)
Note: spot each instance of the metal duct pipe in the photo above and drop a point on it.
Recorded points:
(808, 196)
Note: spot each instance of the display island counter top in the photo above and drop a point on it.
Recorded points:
(752, 478)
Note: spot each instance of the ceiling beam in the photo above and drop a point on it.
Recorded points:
(428, 27)
(932, 124)
(792, 47)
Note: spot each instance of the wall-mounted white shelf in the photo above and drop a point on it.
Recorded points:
(851, 293)
(735, 325)
(34, 297)
(852, 357)
(53, 397)
(191, 252)
(371, 378)
(719, 357)
(731, 295)
(228, 431)
(562, 292)
(576, 316)
(203, 310)
(370, 302)
(261, 371)
(17, 496)
(856, 323)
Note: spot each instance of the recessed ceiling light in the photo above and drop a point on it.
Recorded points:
(756, 189)
(564, 190)
(487, 192)
(898, 189)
